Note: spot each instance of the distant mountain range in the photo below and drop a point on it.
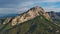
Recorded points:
(54, 15)
(8, 15)
(33, 21)
(58, 13)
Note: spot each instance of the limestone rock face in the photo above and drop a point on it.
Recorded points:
(30, 14)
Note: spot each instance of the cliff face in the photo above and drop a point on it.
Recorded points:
(30, 14)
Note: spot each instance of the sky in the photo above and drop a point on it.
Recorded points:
(19, 6)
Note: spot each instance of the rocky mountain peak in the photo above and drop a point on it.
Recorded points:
(28, 15)
(37, 9)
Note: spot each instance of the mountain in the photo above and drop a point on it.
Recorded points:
(55, 16)
(33, 21)
(58, 13)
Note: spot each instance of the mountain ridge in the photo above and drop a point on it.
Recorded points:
(30, 14)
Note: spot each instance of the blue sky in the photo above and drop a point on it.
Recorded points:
(18, 6)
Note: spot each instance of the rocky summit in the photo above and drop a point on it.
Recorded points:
(30, 14)
(33, 21)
